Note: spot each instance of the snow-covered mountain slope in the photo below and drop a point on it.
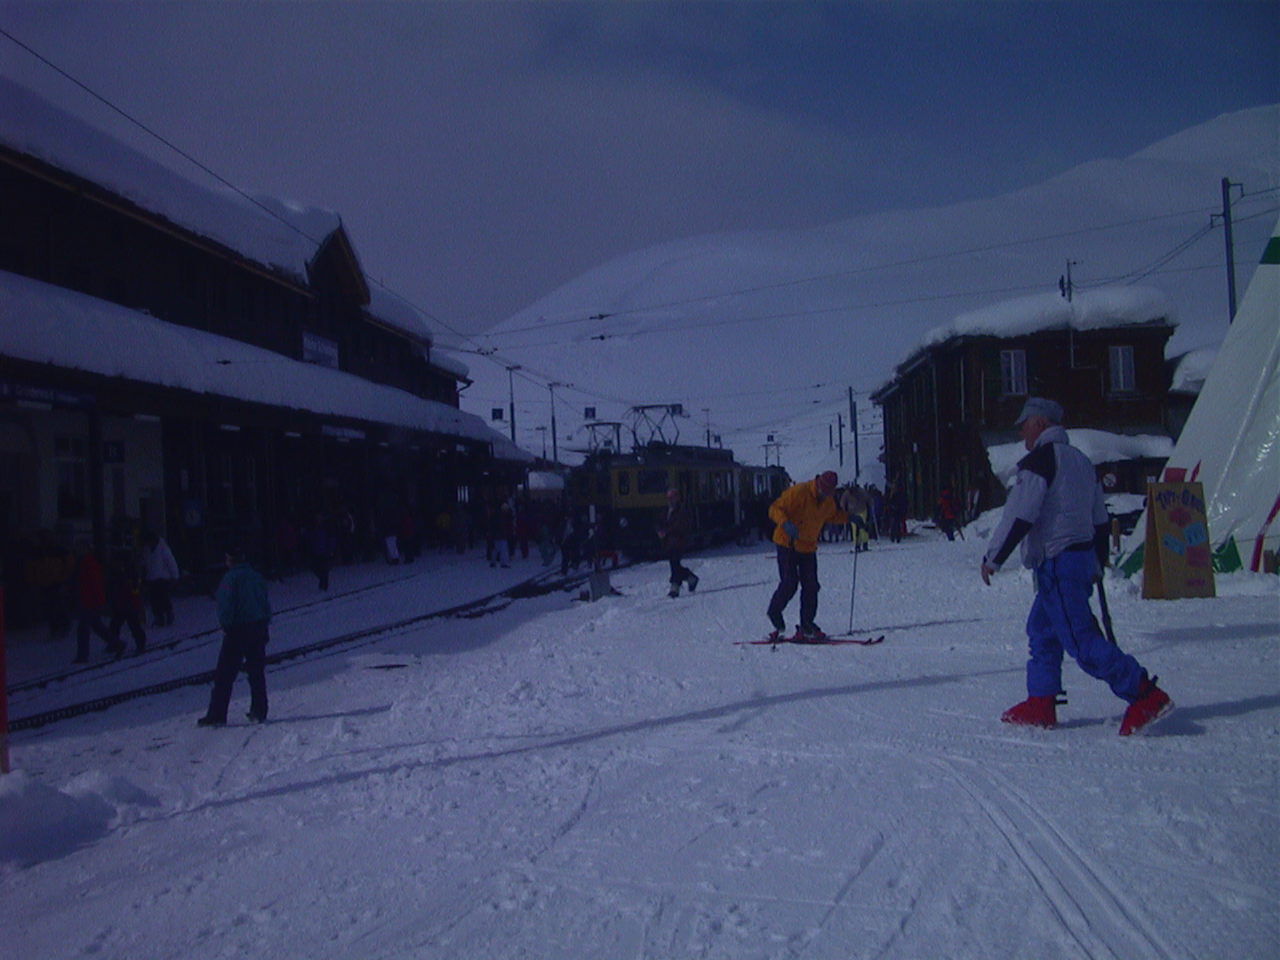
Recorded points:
(763, 332)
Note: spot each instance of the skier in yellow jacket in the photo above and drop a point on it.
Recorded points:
(800, 514)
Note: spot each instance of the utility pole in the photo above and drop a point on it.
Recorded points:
(1064, 282)
(511, 386)
(840, 424)
(707, 411)
(853, 425)
(1231, 251)
(555, 450)
(1066, 288)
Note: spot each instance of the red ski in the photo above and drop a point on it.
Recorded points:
(828, 641)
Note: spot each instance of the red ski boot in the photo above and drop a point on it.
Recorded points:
(1152, 704)
(1033, 712)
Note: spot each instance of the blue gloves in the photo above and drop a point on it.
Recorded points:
(791, 530)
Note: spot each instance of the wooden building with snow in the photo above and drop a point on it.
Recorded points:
(950, 406)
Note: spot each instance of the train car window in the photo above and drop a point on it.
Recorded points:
(652, 481)
(624, 482)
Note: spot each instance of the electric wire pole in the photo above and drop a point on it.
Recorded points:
(511, 386)
(1231, 251)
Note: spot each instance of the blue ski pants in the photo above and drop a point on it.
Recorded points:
(1062, 620)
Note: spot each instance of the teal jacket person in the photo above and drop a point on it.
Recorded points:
(244, 611)
(242, 597)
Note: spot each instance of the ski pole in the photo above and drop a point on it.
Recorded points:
(853, 586)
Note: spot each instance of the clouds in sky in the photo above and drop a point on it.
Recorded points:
(481, 154)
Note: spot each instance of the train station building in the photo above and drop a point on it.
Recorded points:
(204, 364)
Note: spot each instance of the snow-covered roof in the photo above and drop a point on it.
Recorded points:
(1087, 310)
(1095, 309)
(283, 236)
(395, 311)
(446, 361)
(279, 234)
(41, 323)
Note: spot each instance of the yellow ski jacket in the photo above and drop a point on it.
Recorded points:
(802, 506)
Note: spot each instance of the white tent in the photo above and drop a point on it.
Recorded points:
(1231, 442)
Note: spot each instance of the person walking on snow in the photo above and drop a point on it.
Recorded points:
(1056, 512)
(244, 611)
(948, 514)
(674, 533)
(799, 515)
(159, 572)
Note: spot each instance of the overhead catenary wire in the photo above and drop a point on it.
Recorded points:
(911, 261)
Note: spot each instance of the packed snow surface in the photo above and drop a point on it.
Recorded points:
(564, 779)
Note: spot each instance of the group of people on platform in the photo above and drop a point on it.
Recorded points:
(73, 587)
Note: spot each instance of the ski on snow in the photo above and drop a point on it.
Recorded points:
(829, 641)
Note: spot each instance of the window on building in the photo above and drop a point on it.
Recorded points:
(72, 468)
(1123, 379)
(1013, 372)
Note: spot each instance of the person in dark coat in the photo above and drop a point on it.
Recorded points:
(572, 537)
(321, 546)
(124, 597)
(244, 611)
(897, 504)
(674, 531)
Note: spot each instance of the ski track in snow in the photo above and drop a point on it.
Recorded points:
(1080, 893)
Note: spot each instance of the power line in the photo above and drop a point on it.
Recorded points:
(913, 261)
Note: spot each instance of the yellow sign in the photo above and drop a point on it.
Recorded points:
(1178, 561)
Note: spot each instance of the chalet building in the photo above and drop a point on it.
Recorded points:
(205, 365)
(951, 404)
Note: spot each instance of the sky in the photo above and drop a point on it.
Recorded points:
(482, 154)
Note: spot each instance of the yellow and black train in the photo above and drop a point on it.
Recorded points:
(726, 499)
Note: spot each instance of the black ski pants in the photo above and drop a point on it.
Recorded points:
(796, 571)
(243, 644)
(679, 572)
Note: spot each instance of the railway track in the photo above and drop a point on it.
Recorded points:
(538, 585)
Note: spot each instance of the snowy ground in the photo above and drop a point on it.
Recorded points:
(620, 780)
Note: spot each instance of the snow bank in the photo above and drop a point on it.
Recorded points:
(1191, 369)
(40, 823)
(1098, 445)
